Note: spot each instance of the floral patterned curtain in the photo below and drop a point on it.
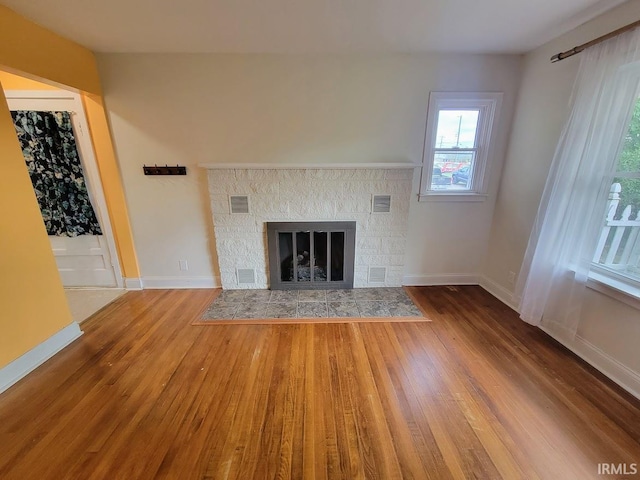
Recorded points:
(49, 149)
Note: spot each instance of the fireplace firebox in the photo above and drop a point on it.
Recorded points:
(311, 255)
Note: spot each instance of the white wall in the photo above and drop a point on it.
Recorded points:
(192, 109)
(609, 331)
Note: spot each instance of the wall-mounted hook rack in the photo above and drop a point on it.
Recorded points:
(166, 170)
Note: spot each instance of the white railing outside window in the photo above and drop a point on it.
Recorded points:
(618, 249)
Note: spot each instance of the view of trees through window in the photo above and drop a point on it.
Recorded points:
(618, 248)
(629, 162)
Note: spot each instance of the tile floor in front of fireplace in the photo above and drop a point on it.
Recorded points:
(359, 302)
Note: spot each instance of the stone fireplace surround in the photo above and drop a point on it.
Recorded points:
(290, 193)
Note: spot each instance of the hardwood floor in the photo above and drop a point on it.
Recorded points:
(475, 393)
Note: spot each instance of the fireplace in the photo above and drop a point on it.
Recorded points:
(311, 255)
(373, 196)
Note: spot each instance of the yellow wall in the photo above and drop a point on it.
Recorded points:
(34, 306)
(16, 82)
(30, 48)
(111, 183)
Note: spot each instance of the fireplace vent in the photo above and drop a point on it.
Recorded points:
(377, 274)
(381, 204)
(239, 203)
(246, 275)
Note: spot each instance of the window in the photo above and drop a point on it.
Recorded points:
(617, 257)
(456, 149)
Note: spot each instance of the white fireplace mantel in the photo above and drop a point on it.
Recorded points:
(304, 166)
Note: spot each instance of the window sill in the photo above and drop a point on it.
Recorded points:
(452, 197)
(614, 288)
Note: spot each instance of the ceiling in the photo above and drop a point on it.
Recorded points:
(308, 26)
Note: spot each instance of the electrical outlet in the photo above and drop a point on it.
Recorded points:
(184, 266)
(511, 277)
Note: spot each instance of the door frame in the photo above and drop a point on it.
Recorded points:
(62, 100)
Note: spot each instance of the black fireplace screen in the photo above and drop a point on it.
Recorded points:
(313, 255)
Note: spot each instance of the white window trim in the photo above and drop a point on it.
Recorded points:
(608, 284)
(489, 103)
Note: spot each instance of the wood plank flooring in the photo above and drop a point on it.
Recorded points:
(475, 393)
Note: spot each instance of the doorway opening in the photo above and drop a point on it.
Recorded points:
(88, 263)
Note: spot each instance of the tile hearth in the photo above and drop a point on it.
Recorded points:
(361, 302)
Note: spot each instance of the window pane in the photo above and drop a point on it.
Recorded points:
(452, 170)
(619, 243)
(629, 160)
(457, 128)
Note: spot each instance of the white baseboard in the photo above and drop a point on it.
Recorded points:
(35, 357)
(444, 279)
(133, 283)
(612, 368)
(181, 282)
(498, 291)
(601, 361)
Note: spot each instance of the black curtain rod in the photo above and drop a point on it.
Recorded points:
(575, 50)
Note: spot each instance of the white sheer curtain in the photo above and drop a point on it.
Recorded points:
(571, 213)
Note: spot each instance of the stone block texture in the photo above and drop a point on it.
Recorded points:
(310, 195)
